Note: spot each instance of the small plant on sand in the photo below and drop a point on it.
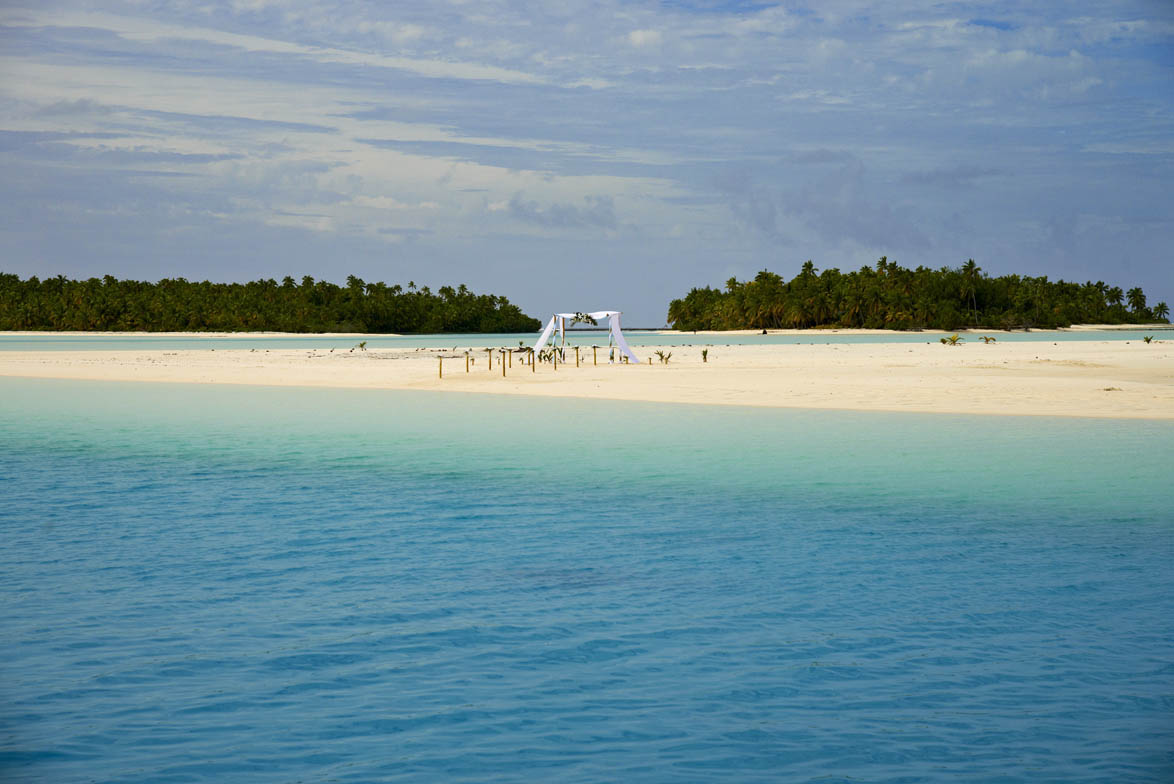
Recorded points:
(988, 340)
(704, 355)
(664, 356)
(953, 340)
(362, 345)
(1148, 338)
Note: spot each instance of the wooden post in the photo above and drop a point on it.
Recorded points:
(489, 353)
(466, 361)
(555, 355)
(440, 367)
(503, 363)
(650, 360)
(532, 362)
(576, 356)
(511, 357)
(595, 355)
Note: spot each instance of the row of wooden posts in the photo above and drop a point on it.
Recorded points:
(507, 359)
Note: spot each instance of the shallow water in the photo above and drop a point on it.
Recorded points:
(75, 342)
(206, 583)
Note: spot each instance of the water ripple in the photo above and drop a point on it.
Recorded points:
(196, 602)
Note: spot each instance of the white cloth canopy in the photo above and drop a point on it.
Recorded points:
(558, 322)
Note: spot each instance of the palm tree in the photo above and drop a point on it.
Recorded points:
(970, 272)
(1161, 310)
(676, 314)
(1136, 299)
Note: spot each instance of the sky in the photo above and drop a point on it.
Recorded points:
(580, 156)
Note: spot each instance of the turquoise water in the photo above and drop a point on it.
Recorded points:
(205, 584)
(74, 342)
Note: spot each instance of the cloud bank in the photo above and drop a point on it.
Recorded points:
(637, 150)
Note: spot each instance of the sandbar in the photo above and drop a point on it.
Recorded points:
(1111, 378)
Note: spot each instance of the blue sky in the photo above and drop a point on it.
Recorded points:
(582, 155)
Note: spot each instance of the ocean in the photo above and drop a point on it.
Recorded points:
(230, 583)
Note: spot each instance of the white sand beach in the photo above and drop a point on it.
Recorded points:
(1119, 379)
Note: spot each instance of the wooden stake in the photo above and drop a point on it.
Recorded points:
(440, 367)
(595, 355)
(503, 363)
(532, 362)
(576, 356)
(466, 361)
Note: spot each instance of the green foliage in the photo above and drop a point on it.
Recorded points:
(261, 305)
(664, 356)
(1148, 338)
(889, 296)
(988, 340)
(583, 318)
(704, 355)
(953, 340)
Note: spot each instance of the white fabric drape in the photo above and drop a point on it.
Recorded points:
(618, 337)
(546, 333)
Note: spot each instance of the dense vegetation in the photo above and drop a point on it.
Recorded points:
(890, 296)
(262, 305)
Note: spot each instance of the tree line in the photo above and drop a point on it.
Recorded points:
(889, 296)
(180, 305)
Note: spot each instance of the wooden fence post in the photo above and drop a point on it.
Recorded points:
(440, 367)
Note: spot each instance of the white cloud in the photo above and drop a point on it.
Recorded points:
(393, 31)
(390, 203)
(145, 30)
(641, 38)
(469, 121)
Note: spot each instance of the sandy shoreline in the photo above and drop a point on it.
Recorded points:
(1114, 379)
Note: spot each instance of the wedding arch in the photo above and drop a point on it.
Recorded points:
(558, 326)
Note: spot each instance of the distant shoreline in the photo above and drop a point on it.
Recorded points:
(961, 331)
(220, 335)
(811, 331)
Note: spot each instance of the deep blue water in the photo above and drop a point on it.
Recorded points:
(66, 341)
(205, 584)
